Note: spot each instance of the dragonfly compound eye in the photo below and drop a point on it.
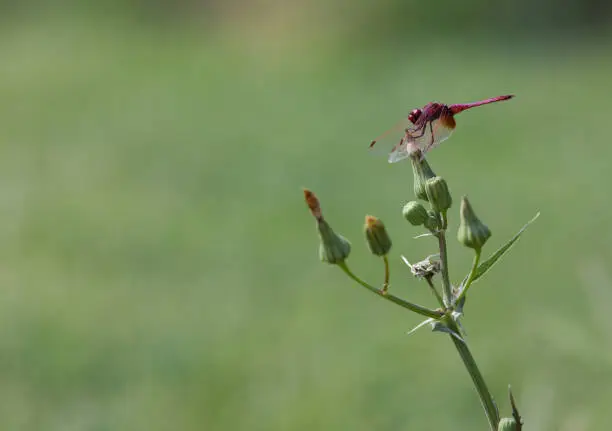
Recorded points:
(414, 115)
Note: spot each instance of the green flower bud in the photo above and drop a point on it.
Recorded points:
(334, 248)
(421, 172)
(438, 194)
(432, 222)
(376, 236)
(472, 232)
(415, 213)
(507, 424)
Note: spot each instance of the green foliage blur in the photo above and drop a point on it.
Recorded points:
(159, 269)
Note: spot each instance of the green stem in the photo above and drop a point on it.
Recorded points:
(435, 291)
(486, 399)
(471, 276)
(423, 311)
(386, 282)
(446, 284)
(444, 220)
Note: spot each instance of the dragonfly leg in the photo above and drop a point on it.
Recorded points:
(433, 139)
(420, 130)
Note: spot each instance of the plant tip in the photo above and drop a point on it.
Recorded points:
(313, 204)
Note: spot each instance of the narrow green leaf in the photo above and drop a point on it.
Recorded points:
(488, 264)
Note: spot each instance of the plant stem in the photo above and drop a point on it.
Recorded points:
(471, 275)
(435, 291)
(487, 401)
(446, 284)
(444, 220)
(423, 311)
(386, 282)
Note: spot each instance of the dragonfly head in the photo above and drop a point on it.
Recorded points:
(414, 115)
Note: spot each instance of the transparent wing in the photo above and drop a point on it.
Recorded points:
(402, 150)
(382, 145)
(425, 138)
(439, 131)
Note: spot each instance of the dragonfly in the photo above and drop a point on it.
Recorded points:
(426, 127)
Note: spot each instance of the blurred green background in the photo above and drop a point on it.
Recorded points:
(159, 268)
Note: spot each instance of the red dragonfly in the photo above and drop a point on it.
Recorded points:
(425, 128)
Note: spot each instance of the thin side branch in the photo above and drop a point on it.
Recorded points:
(386, 282)
(435, 291)
(446, 284)
(423, 311)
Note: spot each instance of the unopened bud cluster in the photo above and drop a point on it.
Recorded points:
(422, 172)
(434, 189)
(428, 187)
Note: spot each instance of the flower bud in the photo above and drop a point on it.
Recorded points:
(472, 232)
(415, 213)
(376, 236)
(421, 172)
(334, 248)
(438, 194)
(432, 222)
(507, 424)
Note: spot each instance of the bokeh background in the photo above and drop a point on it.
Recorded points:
(159, 269)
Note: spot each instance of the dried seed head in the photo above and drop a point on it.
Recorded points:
(426, 268)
